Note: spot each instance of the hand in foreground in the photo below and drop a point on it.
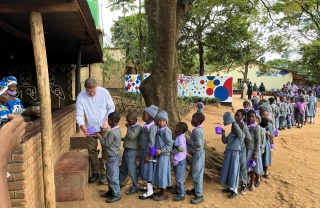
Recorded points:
(158, 152)
(146, 159)
(105, 124)
(10, 136)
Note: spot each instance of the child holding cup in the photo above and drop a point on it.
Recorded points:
(231, 163)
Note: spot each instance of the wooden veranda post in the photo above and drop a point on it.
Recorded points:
(40, 56)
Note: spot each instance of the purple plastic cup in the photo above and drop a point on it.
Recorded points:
(218, 130)
(251, 163)
(91, 130)
(271, 146)
(153, 150)
(275, 132)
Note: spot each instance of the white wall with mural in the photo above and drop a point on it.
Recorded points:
(204, 86)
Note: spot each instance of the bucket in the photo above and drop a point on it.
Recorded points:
(91, 130)
(251, 163)
(153, 151)
(218, 130)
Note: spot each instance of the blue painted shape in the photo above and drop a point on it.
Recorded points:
(222, 93)
(211, 77)
(283, 72)
(216, 82)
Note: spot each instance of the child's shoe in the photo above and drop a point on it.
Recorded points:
(178, 198)
(197, 200)
(243, 189)
(191, 192)
(232, 195)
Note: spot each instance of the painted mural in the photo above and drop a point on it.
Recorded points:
(204, 86)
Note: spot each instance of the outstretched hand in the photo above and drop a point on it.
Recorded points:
(10, 136)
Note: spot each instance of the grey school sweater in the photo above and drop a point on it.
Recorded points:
(196, 143)
(254, 144)
(164, 141)
(131, 139)
(234, 141)
(112, 142)
(147, 137)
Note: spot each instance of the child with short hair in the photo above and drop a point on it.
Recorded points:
(112, 144)
(196, 149)
(231, 162)
(239, 116)
(312, 106)
(269, 135)
(162, 169)
(282, 113)
(300, 108)
(179, 153)
(147, 140)
(246, 105)
(253, 147)
(130, 145)
(199, 105)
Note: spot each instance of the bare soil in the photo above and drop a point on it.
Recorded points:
(294, 182)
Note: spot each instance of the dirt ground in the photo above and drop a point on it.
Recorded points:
(294, 181)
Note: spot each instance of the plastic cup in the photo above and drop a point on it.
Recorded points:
(271, 146)
(275, 132)
(251, 163)
(153, 151)
(218, 130)
(91, 130)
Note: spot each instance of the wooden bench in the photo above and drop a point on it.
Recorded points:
(71, 176)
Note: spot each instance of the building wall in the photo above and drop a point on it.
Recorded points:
(25, 165)
(274, 80)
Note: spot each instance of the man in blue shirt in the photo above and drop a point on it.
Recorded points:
(93, 105)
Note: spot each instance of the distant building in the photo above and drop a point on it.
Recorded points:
(272, 81)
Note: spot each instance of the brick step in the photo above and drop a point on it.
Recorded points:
(71, 176)
(78, 141)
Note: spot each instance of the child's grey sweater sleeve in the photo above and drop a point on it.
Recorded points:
(257, 139)
(238, 131)
(168, 141)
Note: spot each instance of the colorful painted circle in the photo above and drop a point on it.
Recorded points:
(209, 91)
(202, 82)
(210, 77)
(216, 82)
(210, 84)
(222, 93)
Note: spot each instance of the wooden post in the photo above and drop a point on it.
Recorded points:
(40, 56)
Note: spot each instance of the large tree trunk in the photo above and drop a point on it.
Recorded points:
(201, 60)
(166, 20)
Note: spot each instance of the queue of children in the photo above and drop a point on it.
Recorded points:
(249, 144)
(156, 146)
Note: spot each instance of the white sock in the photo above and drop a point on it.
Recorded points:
(311, 119)
(150, 189)
(235, 190)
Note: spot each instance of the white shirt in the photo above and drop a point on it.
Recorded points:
(245, 86)
(96, 109)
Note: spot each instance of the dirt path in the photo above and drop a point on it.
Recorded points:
(294, 181)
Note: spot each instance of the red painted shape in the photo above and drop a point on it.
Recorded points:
(228, 85)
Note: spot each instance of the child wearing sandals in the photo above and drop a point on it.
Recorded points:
(179, 153)
(147, 140)
(231, 162)
(267, 156)
(239, 116)
(253, 148)
(162, 169)
(196, 149)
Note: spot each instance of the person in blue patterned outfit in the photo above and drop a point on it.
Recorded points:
(196, 149)
(14, 104)
(162, 168)
(4, 98)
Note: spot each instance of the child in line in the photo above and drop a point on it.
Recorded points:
(253, 147)
(196, 149)
(112, 144)
(246, 105)
(199, 105)
(130, 145)
(290, 116)
(312, 106)
(275, 112)
(239, 116)
(147, 140)
(162, 169)
(179, 153)
(282, 113)
(231, 162)
(269, 135)
(300, 108)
